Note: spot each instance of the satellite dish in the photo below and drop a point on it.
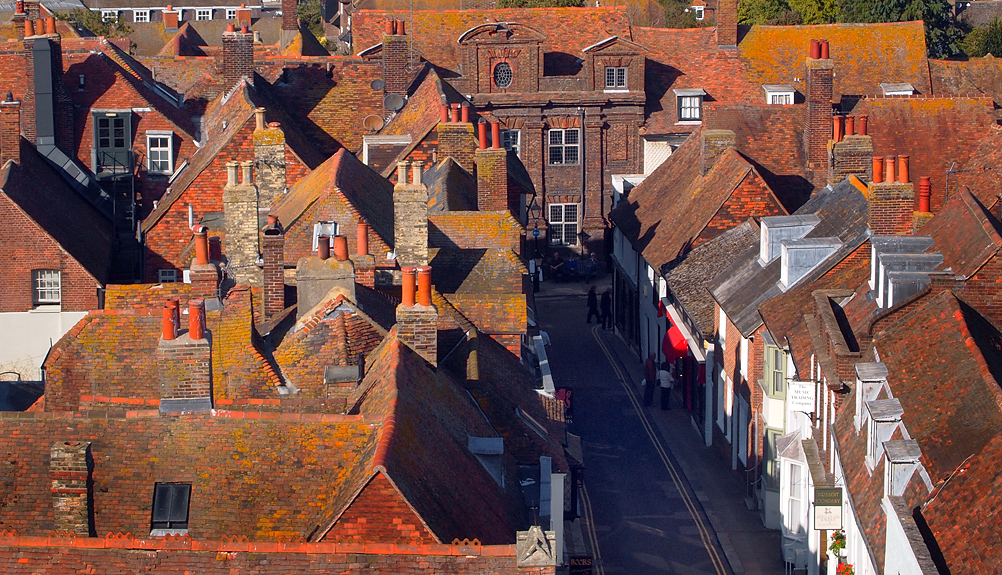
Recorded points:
(377, 84)
(393, 102)
(372, 122)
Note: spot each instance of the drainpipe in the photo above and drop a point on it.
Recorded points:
(581, 158)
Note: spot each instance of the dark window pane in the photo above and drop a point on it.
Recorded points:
(571, 155)
(571, 136)
(161, 502)
(179, 503)
(556, 155)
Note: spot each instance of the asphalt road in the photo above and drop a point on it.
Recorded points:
(645, 516)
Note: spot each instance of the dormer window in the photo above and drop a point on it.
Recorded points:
(503, 75)
(778, 94)
(328, 229)
(140, 16)
(203, 14)
(109, 15)
(690, 105)
(698, 11)
(615, 78)
(897, 89)
(884, 416)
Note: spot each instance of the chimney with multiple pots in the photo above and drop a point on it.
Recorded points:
(417, 317)
(410, 216)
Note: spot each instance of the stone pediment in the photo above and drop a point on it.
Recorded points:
(497, 32)
(614, 45)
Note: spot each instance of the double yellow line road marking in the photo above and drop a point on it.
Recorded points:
(704, 532)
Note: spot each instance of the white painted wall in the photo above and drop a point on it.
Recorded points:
(25, 337)
(625, 255)
(899, 559)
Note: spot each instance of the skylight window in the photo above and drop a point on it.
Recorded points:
(170, 509)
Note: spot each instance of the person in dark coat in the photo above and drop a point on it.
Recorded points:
(650, 379)
(593, 304)
(606, 306)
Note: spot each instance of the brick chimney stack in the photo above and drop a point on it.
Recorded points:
(417, 317)
(317, 275)
(172, 19)
(31, 8)
(269, 157)
(396, 58)
(365, 263)
(240, 212)
(290, 15)
(891, 201)
(273, 252)
(492, 172)
(410, 219)
(184, 362)
(244, 15)
(18, 19)
(715, 143)
(818, 131)
(851, 153)
(70, 469)
(203, 274)
(238, 56)
(456, 139)
(10, 130)
(727, 23)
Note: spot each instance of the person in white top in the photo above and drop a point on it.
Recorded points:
(667, 380)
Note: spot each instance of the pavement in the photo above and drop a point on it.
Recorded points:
(660, 501)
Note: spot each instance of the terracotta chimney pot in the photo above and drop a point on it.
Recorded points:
(388, 27)
(903, 169)
(465, 107)
(445, 113)
(495, 134)
(29, 28)
(850, 125)
(837, 128)
(455, 112)
(323, 247)
(424, 285)
(362, 238)
(168, 332)
(201, 245)
(230, 28)
(401, 30)
(925, 194)
(815, 49)
(482, 134)
(861, 130)
(341, 248)
(878, 169)
(196, 318)
(409, 287)
(50, 25)
(824, 50)
(889, 169)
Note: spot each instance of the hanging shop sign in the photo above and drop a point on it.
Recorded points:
(828, 508)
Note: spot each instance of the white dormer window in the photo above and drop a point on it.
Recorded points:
(870, 380)
(140, 16)
(159, 152)
(698, 11)
(109, 15)
(615, 78)
(902, 461)
(897, 89)
(328, 229)
(231, 13)
(884, 417)
(690, 105)
(778, 94)
(203, 14)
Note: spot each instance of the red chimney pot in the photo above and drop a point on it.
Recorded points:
(889, 169)
(362, 238)
(29, 28)
(400, 28)
(409, 287)
(341, 248)
(495, 134)
(465, 113)
(815, 49)
(168, 333)
(862, 125)
(824, 50)
(455, 112)
(878, 169)
(230, 27)
(837, 128)
(903, 169)
(850, 125)
(196, 318)
(201, 245)
(445, 113)
(424, 285)
(925, 193)
(388, 27)
(482, 135)
(323, 247)
(50, 25)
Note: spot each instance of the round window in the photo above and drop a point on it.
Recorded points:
(502, 75)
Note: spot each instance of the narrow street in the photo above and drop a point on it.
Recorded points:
(645, 516)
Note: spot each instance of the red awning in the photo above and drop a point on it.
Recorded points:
(674, 345)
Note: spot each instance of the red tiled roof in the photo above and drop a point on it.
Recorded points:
(982, 175)
(972, 77)
(965, 233)
(672, 210)
(436, 33)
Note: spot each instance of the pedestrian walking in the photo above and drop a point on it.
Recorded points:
(593, 304)
(606, 306)
(590, 267)
(666, 376)
(650, 379)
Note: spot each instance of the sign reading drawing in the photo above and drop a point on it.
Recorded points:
(827, 508)
(800, 396)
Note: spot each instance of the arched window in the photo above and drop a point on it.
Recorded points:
(502, 75)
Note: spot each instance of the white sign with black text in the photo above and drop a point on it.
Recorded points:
(800, 396)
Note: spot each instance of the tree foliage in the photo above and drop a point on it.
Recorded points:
(943, 36)
(310, 14)
(984, 40)
(540, 3)
(93, 21)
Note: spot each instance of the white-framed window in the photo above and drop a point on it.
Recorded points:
(690, 108)
(564, 145)
(780, 99)
(775, 375)
(743, 355)
(328, 229)
(721, 400)
(778, 94)
(770, 459)
(698, 11)
(159, 153)
(511, 140)
(231, 13)
(728, 408)
(795, 504)
(167, 276)
(109, 15)
(203, 14)
(140, 16)
(46, 287)
(563, 224)
(722, 330)
(615, 78)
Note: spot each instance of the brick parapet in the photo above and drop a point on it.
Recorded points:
(457, 140)
(417, 326)
(365, 270)
(891, 208)
(238, 58)
(184, 367)
(850, 157)
(273, 253)
(10, 132)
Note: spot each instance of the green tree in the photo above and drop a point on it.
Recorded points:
(539, 3)
(93, 21)
(943, 36)
(767, 12)
(984, 40)
(310, 14)
(815, 11)
(679, 15)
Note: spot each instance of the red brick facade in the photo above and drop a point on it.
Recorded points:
(380, 514)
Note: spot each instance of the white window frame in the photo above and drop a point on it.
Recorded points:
(795, 515)
(698, 11)
(721, 401)
(328, 228)
(512, 140)
(140, 16)
(690, 108)
(46, 287)
(159, 149)
(109, 15)
(556, 139)
(203, 14)
(167, 276)
(618, 81)
(778, 94)
(231, 13)
(728, 408)
(722, 331)
(562, 223)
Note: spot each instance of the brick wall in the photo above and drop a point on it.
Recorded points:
(727, 23)
(410, 224)
(818, 131)
(750, 198)
(273, 252)
(25, 247)
(396, 57)
(238, 57)
(315, 278)
(891, 208)
(331, 207)
(10, 131)
(185, 368)
(417, 326)
(457, 140)
(852, 156)
(714, 143)
(240, 245)
(69, 470)
(379, 513)
(982, 290)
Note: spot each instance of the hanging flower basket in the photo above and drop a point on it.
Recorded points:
(845, 569)
(837, 544)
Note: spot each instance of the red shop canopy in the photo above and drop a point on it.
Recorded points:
(674, 345)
